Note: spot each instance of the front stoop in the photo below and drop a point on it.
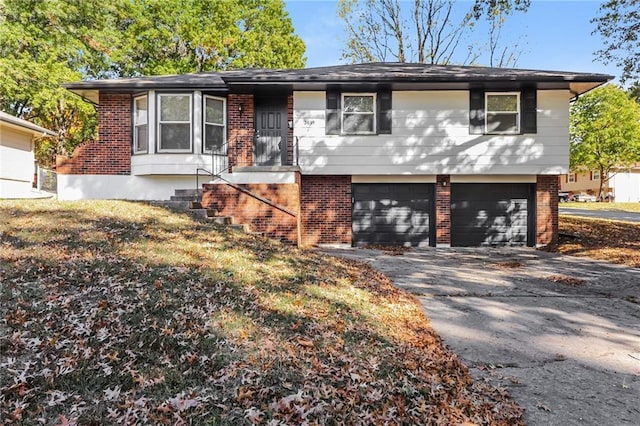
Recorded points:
(186, 200)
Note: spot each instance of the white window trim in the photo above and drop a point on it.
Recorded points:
(374, 112)
(595, 175)
(135, 125)
(572, 178)
(205, 123)
(160, 122)
(517, 112)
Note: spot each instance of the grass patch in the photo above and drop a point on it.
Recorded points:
(612, 241)
(619, 207)
(119, 312)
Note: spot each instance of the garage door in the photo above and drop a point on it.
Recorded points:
(492, 214)
(392, 214)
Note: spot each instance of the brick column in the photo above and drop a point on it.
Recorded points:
(240, 130)
(546, 209)
(443, 211)
(325, 207)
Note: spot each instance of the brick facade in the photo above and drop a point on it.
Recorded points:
(111, 153)
(546, 209)
(443, 210)
(325, 207)
(277, 219)
(240, 111)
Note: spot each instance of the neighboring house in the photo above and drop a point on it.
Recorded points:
(382, 153)
(623, 185)
(582, 182)
(17, 161)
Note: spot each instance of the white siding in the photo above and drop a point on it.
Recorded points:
(431, 136)
(125, 187)
(169, 164)
(16, 162)
(121, 187)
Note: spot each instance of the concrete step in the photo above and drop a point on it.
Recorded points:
(175, 205)
(240, 227)
(222, 220)
(188, 192)
(183, 197)
(203, 213)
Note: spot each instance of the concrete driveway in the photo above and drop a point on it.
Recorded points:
(602, 214)
(561, 334)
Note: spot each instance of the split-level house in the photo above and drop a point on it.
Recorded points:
(623, 184)
(381, 153)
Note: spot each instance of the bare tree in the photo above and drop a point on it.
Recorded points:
(432, 31)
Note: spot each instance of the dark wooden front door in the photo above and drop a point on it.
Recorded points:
(270, 142)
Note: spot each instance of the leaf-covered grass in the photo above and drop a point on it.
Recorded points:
(123, 313)
(620, 207)
(612, 241)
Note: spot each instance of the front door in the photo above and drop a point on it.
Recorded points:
(270, 146)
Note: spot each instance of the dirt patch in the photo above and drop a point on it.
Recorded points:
(509, 264)
(563, 279)
(390, 250)
(612, 241)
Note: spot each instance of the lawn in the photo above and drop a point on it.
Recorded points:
(621, 207)
(119, 312)
(612, 241)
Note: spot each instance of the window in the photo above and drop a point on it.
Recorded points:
(572, 177)
(174, 122)
(502, 113)
(214, 124)
(595, 175)
(492, 112)
(140, 120)
(358, 113)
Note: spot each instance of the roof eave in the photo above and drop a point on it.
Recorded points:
(20, 124)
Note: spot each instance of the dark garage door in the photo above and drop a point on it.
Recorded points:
(492, 214)
(392, 214)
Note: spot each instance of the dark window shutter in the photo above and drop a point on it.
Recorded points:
(384, 112)
(332, 125)
(529, 110)
(476, 112)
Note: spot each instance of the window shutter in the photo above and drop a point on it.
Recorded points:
(476, 112)
(384, 112)
(529, 110)
(332, 124)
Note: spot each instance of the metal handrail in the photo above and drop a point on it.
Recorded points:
(217, 167)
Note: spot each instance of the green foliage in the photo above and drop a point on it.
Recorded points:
(43, 44)
(619, 25)
(634, 92)
(205, 36)
(604, 131)
(46, 43)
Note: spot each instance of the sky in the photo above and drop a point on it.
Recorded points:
(552, 35)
